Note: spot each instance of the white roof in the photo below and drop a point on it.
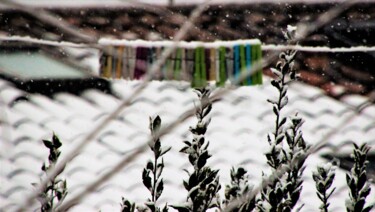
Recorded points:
(237, 135)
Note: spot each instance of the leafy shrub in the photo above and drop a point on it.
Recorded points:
(56, 190)
(287, 149)
(203, 183)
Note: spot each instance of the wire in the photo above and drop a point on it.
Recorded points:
(272, 47)
(265, 47)
(28, 39)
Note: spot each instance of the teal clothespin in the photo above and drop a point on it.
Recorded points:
(242, 63)
(236, 61)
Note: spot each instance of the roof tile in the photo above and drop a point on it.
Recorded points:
(78, 105)
(33, 112)
(237, 135)
(354, 100)
(10, 94)
(49, 105)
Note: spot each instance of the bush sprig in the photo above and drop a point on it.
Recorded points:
(56, 190)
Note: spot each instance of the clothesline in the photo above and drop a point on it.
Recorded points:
(273, 47)
(28, 39)
(266, 47)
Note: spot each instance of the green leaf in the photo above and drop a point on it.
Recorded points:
(193, 180)
(181, 208)
(271, 101)
(359, 205)
(150, 165)
(365, 192)
(156, 124)
(348, 179)
(293, 75)
(186, 185)
(147, 179)
(240, 173)
(202, 159)
(207, 110)
(159, 189)
(184, 149)
(48, 144)
(59, 195)
(157, 148)
(151, 206)
(275, 84)
(201, 141)
(127, 206)
(329, 195)
(191, 159)
(282, 122)
(320, 196)
(165, 209)
(362, 179)
(320, 187)
(44, 168)
(285, 68)
(275, 110)
(56, 141)
(279, 139)
(187, 143)
(355, 146)
(368, 209)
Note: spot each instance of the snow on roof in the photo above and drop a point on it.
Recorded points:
(237, 135)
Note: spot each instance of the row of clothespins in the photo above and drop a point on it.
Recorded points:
(197, 62)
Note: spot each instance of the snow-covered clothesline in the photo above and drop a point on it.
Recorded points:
(28, 39)
(273, 47)
(266, 47)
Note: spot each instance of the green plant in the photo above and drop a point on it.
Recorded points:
(56, 190)
(239, 187)
(127, 206)
(359, 187)
(151, 174)
(288, 149)
(203, 183)
(286, 142)
(323, 177)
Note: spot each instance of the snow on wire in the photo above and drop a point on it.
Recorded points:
(266, 47)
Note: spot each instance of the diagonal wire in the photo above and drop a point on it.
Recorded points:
(90, 136)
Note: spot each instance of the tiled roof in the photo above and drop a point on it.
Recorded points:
(237, 135)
